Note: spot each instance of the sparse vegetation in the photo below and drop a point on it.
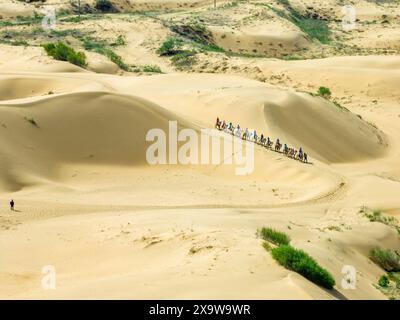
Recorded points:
(101, 47)
(389, 285)
(274, 236)
(61, 51)
(388, 259)
(184, 59)
(324, 92)
(294, 259)
(302, 263)
(152, 69)
(119, 42)
(383, 281)
(170, 47)
(315, 28)
(377, 216)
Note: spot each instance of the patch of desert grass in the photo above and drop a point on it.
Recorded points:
(101, 47)
(387, 259)
(274, 236)
(314, 28)
(300, 262)
(152, 69)
(61, 51)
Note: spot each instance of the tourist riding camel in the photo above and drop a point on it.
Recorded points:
(261, 140)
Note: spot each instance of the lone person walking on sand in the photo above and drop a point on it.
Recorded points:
(12, 205)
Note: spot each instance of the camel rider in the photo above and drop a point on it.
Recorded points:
(223, 125)
(300, 152)
(255, 135)
(277, 142)
(246, 134)
(238, 130)
(268, 141)
(262, 138)
(286, 148)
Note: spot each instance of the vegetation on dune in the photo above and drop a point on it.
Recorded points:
(184, 59)
(389, 285)
(324, 92)
(180, 58)
(170, 46)
(102, 48)
(197, 35)
(61, 51)
(387, 259)
(378, 216)
(274, 236)
(152, 69)
(315, 28)
(302, 263)
(383, 281)
(294, 259)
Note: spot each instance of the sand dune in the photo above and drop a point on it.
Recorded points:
(271, 111)
(121, 121)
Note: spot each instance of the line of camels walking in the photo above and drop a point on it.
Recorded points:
(261, 140)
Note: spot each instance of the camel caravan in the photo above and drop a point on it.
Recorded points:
(261, 140)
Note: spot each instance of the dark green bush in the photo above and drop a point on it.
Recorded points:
(170, 47)
(388, 259)
(274, 236)
(324, 92)
(383, 281)
(60, 51)
(302, 263)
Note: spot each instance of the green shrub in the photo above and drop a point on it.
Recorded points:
(302, 263)
(119, 42)
(388, 259)
(274, 236)
(60, 51)
(324, 92)
(377, 216)
(152, 68)
(184, 59)
(383, 281)
(170, 47)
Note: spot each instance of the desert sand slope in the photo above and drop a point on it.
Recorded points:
(86, 155)
(73, 146)
(58, 129)
(29, 59)
(328, 132)
(372, 76)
